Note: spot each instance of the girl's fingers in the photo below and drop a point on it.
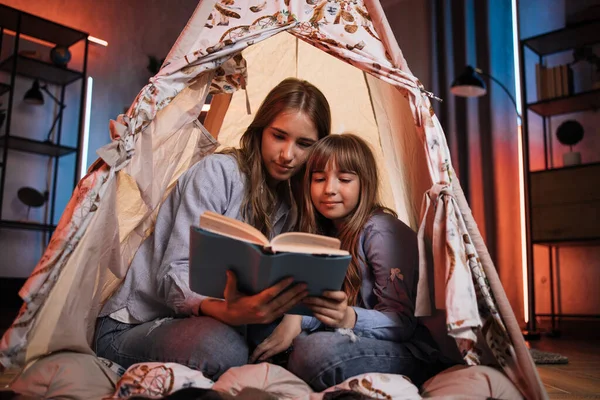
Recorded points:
(266, 350)
(271, 294)
(327, 312)
(231, 292)
(326, 320)
(257, 353)
(320, 302)
(270, 353)
(283, 308)
(254, 356)
(260, 350)
(336, 295)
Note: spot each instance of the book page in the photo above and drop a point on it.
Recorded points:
(230, 227)
(299, 242)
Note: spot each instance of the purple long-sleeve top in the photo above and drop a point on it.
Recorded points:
(389, 262)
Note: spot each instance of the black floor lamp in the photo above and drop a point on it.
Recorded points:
(470, 84)
(34, 96)
(30, 196)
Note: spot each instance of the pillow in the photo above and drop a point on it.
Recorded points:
(66, 375)
(264, 376)
(379, 386)
(285, 385)
(470, 382)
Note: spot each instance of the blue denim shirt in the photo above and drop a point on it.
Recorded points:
(389, 263)
(156, 285)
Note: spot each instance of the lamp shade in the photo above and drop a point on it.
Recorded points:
(31, 197)
(468, 84)
(34, 95)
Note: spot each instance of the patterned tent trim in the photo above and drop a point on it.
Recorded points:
(347, 31)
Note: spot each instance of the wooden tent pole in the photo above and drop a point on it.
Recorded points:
(218, 108)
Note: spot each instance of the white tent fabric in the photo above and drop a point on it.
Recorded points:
(222, 49)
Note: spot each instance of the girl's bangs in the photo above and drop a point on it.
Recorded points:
(319, 158)
(342, 154)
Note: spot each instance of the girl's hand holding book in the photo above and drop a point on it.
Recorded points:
(332, 309)
(262, 308)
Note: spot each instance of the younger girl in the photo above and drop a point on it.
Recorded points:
(377, 299)
(154, 316)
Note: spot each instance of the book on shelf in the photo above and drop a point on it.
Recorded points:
(558, 87)
(221, 243)
(552, 82)
(543, 82)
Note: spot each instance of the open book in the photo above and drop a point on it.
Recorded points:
(293, 242)
(221, 243)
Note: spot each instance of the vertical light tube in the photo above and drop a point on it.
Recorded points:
(522, 167)
(86, 127)
(523, 226)
(517, 61)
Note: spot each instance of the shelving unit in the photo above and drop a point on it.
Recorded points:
(31, 226)
(35, 146)
(37, 69)
(24, 26)
(561, 204)
(589, 100)
(584, 34)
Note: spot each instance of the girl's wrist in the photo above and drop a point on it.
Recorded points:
(217, 309)
(349, 318)
(293, 318)
(295, 321)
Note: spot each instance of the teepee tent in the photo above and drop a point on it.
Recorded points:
(238, 51)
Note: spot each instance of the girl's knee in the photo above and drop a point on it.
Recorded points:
(316, 347)
(219, 348)
(316, 358)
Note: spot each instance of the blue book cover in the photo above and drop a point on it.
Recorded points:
(257, 267)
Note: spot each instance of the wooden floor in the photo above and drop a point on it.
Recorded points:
(580, 378)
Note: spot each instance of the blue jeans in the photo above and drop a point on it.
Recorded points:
(324, 359)
(201, 343)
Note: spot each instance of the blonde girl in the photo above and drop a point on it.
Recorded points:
(154, 316)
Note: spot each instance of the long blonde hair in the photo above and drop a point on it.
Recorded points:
(290, 94)
(349, 153)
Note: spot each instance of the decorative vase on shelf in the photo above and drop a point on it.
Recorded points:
(591, 66)
(570, 133)
(60, 56)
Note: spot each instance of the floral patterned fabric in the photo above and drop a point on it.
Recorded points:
(156, 380)
(150, 149)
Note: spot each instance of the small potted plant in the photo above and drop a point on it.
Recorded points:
(570, 133)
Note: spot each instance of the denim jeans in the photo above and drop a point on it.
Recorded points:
(201, 343)
(324, 359)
